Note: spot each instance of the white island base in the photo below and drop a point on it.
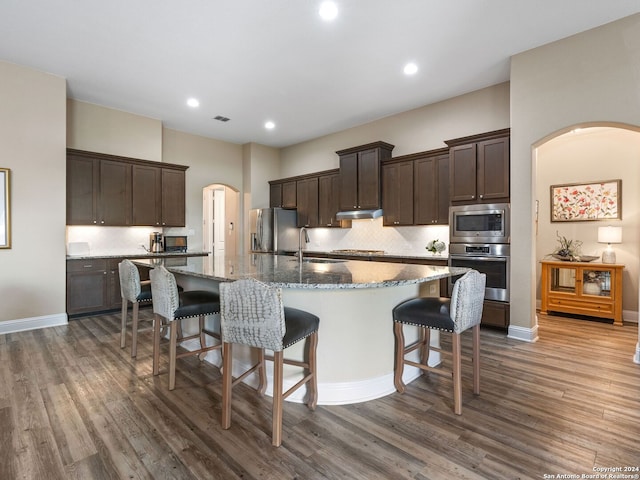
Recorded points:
(354, 301)
(355, 343)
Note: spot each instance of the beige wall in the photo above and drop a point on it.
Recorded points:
(589, 77)
(588, 155)
(32, 145)
(424, 128)
(99, 129)
(210, 161)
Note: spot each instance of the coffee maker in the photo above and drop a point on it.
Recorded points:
(155, 242)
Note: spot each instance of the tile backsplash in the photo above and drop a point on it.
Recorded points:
(363, 234)
(371, 235)
(111, 240)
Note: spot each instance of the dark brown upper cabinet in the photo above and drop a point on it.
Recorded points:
(397, 193)
(431, 188)
(329, 200)
(283, 193)
(117, 191)
(360, 175)
(479, 168)
(98, 192)
(307, 202)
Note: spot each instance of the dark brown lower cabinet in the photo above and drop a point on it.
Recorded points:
(87, 284)
(495, 314)
(94, 285)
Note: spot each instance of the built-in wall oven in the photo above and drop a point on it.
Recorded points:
(480, 238)
(492, 259)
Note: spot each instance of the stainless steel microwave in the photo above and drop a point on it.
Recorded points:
(480, 223)
(175, 243)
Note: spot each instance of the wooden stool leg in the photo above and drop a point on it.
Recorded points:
(312, 387)
(425, 350)
(173, 346)
(276, 438)
(399, 357)
(227, 379)
(157, 321)
(476, 359)
(134, 330)
(262, 373)
(203, 338)
(457, 370)
(123, 326)
(179, 333)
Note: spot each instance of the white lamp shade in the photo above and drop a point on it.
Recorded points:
(609, 234)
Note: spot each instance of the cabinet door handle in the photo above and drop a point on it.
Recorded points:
(88, 266)
(481, 196)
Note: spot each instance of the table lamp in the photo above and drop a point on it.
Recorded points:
(609, 235)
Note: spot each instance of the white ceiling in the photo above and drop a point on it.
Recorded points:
(258, 60)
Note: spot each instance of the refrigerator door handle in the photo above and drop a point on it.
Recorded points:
(259, 231)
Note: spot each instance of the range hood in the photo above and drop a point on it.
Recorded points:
(358, 214)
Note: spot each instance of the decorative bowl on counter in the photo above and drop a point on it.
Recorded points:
(576, 258)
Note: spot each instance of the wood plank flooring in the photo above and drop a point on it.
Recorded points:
(73, 405)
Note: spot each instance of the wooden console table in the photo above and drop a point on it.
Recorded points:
(581, 288)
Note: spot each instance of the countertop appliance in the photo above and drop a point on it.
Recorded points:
(175, 243)
(155, 242)
(480, 223)
(273, 230)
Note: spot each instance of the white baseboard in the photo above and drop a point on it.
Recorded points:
(33, 323)
(636, 357)
(524, 334)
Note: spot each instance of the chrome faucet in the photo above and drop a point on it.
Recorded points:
(306, 240)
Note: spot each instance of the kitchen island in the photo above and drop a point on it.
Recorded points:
(353, 299)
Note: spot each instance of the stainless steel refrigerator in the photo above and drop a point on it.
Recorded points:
(273, 230)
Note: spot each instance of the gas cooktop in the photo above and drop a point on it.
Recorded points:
(359, 252)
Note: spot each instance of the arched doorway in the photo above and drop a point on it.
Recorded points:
(220, 219)
(591, 153)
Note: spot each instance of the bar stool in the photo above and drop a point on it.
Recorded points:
(136, 292)
(170, 307)
(457, 314)
(252, 313)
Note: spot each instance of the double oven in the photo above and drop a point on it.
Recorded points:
(480, 239)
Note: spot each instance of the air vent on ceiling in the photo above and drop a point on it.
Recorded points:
(220, 118)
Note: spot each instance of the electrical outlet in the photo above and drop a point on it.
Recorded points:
(432, 289)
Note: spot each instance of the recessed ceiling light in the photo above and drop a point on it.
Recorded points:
(269, 125)
(410, 68)
(328, 11)
(193, 102)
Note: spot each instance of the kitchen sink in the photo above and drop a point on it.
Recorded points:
(322, 260)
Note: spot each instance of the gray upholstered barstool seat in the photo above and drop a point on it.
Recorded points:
(252, 313)
(170, 307)
(457, 314)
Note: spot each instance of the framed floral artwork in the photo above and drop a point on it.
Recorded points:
(5, 209)
(580, 202)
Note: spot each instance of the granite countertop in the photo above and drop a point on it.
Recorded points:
(369, 255)
(287, 272)
(131, 255)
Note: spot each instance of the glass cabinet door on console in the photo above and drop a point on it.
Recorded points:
(583, 289)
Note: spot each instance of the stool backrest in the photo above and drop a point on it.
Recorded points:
(129, 280)
(164, 292)
(252, 313)
(467, 300)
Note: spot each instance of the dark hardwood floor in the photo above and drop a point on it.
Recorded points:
(73, 405)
